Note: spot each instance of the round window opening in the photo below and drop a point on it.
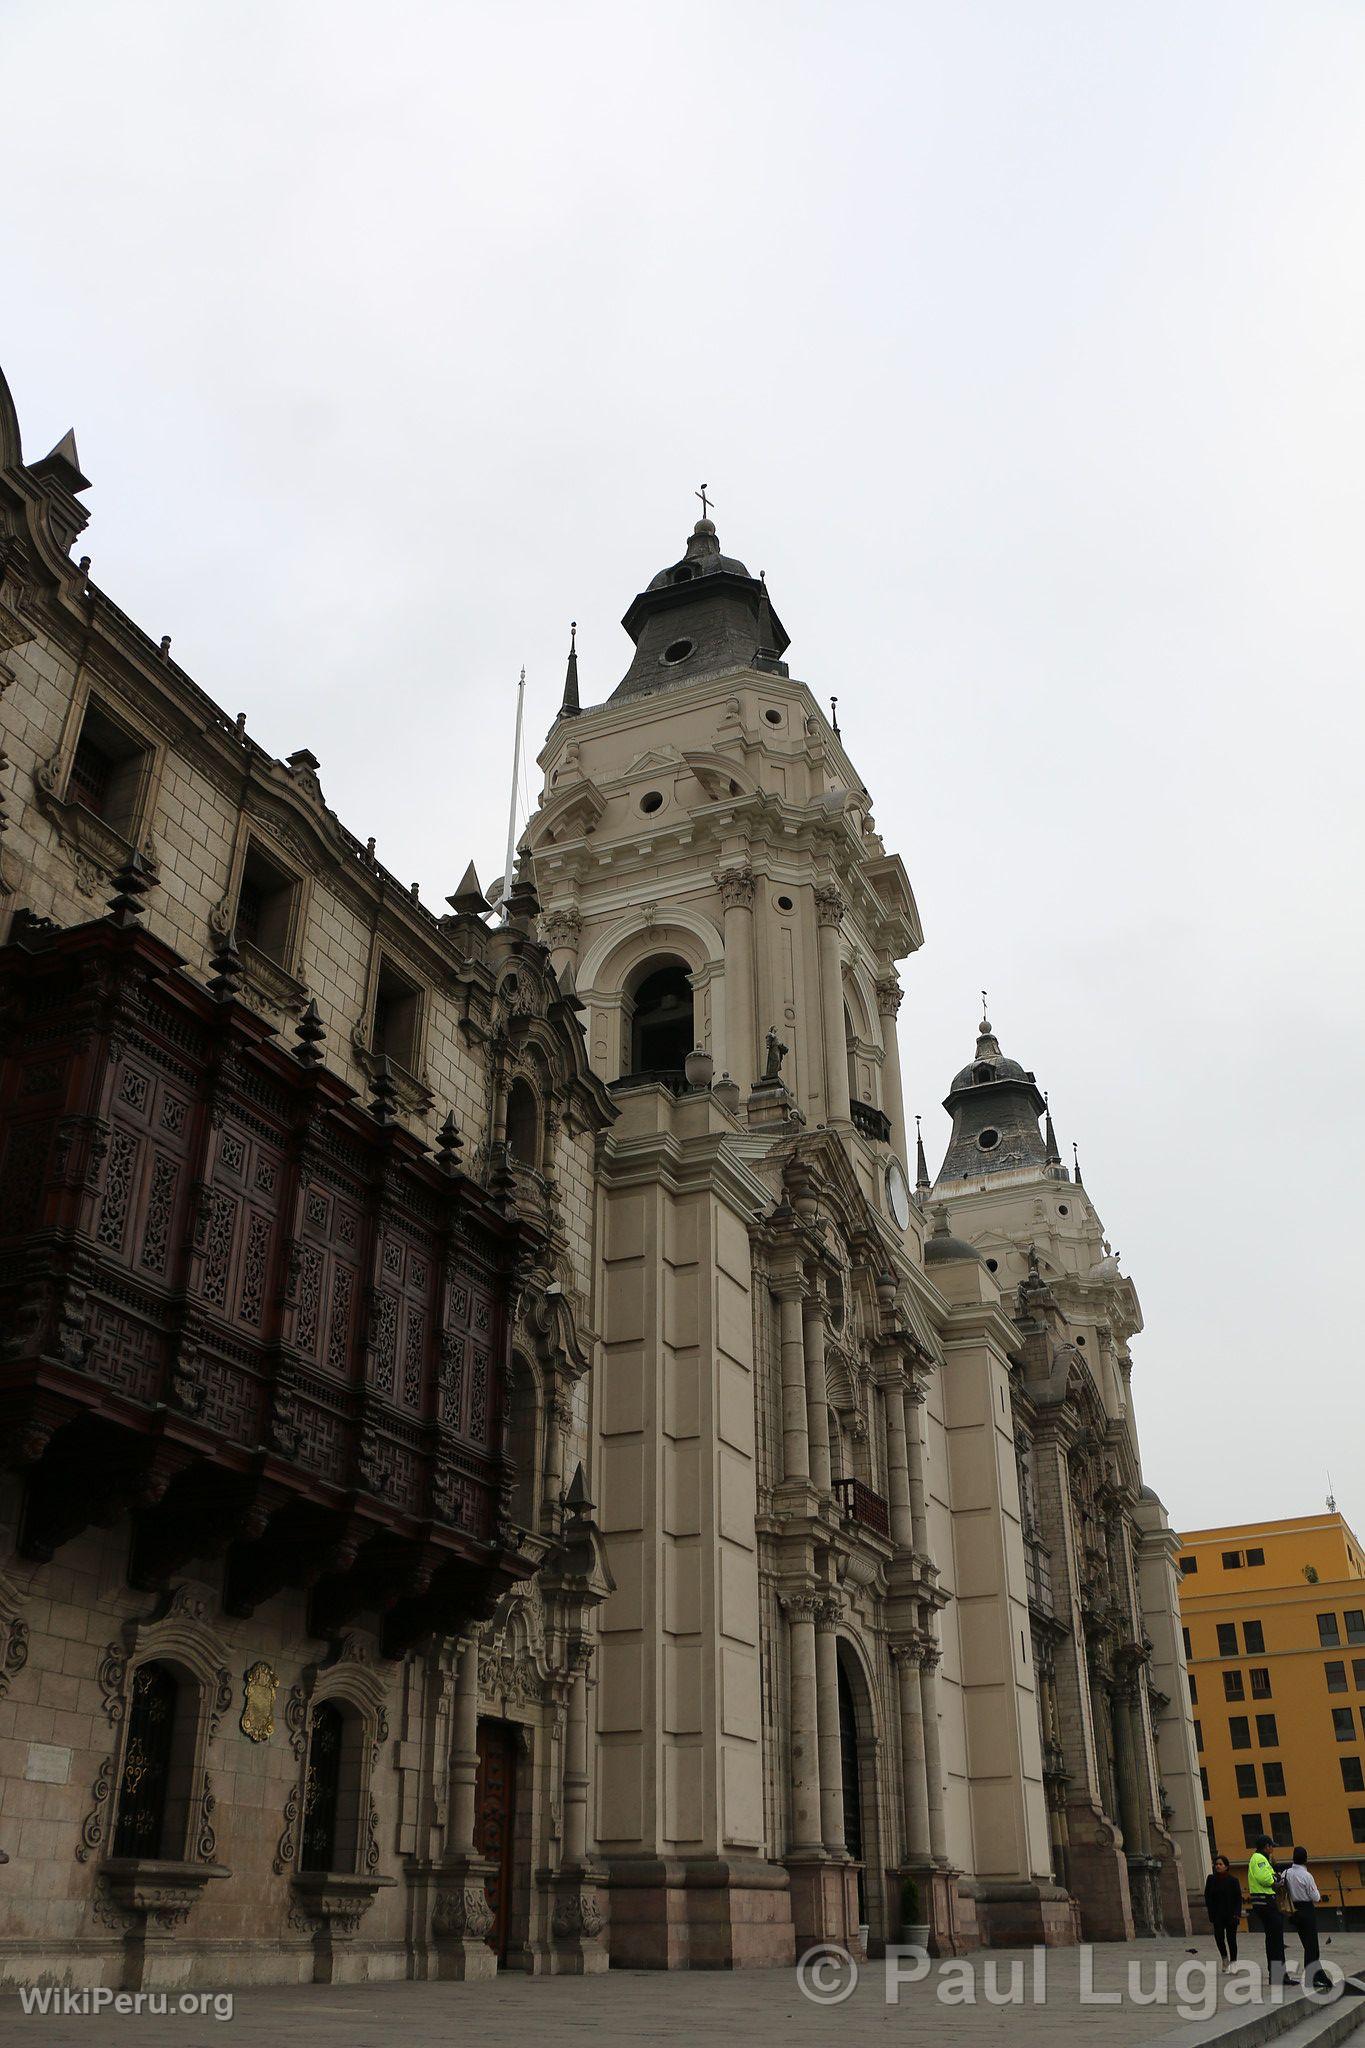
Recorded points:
(678, 650)
(992, 1265)
(1062, 1209)
(784, 903)
(773, 717)
(1080, 1340)
(652, 800)
(988, 1139)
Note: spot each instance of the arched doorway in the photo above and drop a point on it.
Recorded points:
(850, 1766)
(662, 1027)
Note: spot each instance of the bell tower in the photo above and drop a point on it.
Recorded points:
(715, 892)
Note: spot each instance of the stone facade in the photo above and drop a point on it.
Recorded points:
(792, 1577)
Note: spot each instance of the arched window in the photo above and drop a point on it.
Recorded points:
(523, 1123)
(332, 1789)
(662, 1031)
(523, 1445)
(144, 1798)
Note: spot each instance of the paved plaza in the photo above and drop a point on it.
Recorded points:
(747, 2009)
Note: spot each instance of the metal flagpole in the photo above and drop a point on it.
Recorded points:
(512, 807)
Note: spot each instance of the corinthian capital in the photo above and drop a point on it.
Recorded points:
(736, 887)
(829, 904)
(798, 1606)
(560, 927)
(828, 1613)
(889, 995)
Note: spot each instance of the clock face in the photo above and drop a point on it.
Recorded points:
(898, 1194)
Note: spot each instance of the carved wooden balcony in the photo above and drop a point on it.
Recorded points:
(860, 1504)
(238, 1305)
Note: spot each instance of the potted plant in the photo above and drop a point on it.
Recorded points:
(914, 1930)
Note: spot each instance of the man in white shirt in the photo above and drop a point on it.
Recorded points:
(1304, 1898)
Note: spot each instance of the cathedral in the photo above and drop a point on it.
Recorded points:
(508, 1458)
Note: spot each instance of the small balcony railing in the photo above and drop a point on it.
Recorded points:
(662, 1077)
(861, 1504)
(872, 1122)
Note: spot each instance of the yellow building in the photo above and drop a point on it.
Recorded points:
(1274, 1623)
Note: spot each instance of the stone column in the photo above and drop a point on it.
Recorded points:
(906, 1657)
(889, 994)
(827, 1706)
(897, 1466)
(795, 1427)
(558, 1417)
(914, 1451)
(575, 1823)
(829, 904)
(817, 1394)
(462, 1917)
(741, 1044)
(464, 1752)
(805, 1725)
(930, 1658)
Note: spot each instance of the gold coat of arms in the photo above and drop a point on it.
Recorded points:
(258, 1711)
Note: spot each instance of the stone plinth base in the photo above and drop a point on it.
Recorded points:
(1097, 1872)
(577, 1925)
(703, 1913)
(1027, 1915)
(462, 1920)
(824, 1904)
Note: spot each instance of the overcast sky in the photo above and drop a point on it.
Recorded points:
(1020, 344)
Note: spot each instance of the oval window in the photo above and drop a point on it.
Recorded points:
(988, 1139)
(784, 903)
(678, 650)
(773, 717)
(652, 800)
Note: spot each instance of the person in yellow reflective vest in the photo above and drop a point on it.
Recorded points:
(1262, 1877)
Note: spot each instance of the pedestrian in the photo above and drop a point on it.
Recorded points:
(1223, 1903)
(1304, 1899)
(1262, 1877)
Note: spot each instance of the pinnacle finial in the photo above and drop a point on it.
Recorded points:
(1076, 1162)
(985, 1016)
(226, 963)
(921, 1164)
(383, 1092)
(1054, 1157)
(131, 884)
(570, 707)
(310, 1032)
(449, 1145)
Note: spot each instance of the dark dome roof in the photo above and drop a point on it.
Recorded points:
(703, 558)
(988, 1054)
(943, 1246)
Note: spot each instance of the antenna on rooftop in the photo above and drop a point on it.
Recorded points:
(1331, 1497)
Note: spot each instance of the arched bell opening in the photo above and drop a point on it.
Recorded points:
(662, 1023)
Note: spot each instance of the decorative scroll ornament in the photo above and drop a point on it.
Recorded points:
(258, 1710)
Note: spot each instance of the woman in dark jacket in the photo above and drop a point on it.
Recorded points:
(1223, 1901)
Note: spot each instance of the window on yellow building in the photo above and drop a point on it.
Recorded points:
(1355, 1624)
(1194, 1688)
(1232, 1560)
(1255, 1557)
(1185, 1638)
(1274, 1780)
(1199, 1735)
(1267, 1734)
(1281, 1830)
(1239, 1731)
(1358, 1672)
(1246, 1780)
(1233, 1688)
(1253, 1827)
(1227, 1639)
(1352, 1774)
(1329, 1634)
(1335, 1674)
(1344, 1724)
(1204, 1782)
(1260, 1682)
(1188, 1565)
(1253, 1637)
(1357, 1814)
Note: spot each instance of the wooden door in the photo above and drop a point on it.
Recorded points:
(495, 1822)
